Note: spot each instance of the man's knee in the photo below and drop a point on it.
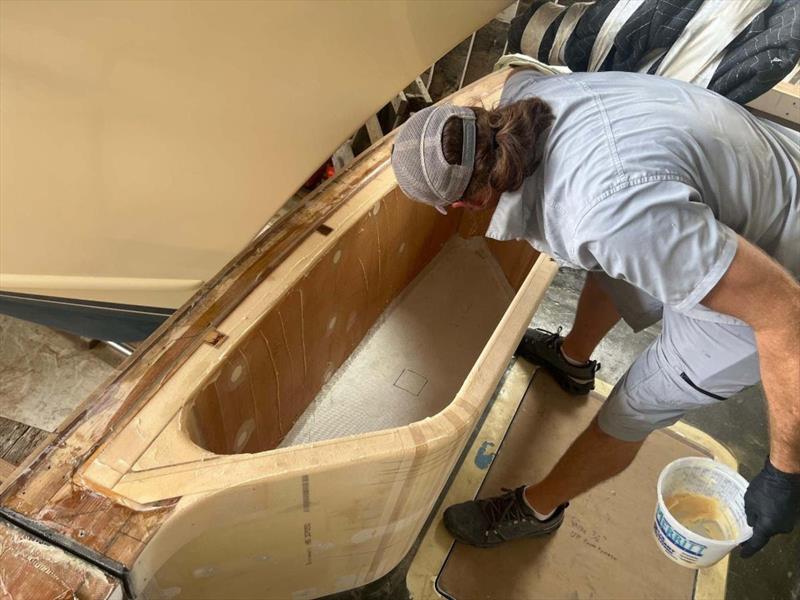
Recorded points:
(627, 428)
(598, 430)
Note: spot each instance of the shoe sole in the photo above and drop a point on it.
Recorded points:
(500, 543)
(566, 382)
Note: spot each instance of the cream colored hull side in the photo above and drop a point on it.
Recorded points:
(144, 143)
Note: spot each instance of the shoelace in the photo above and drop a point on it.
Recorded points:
(551, 341)
(552, 337)
(503, 509)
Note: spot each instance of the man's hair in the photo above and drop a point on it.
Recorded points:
(505, 146)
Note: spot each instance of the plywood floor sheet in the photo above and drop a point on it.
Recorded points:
(413, 361)
(604, 549)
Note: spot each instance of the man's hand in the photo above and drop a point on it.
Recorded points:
(772, 505)
(757, 290)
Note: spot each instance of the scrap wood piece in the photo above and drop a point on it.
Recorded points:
(34, 570)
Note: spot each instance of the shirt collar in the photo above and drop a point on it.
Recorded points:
(508, 220)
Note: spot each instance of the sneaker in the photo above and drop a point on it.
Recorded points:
(492, 521)
(544, 348)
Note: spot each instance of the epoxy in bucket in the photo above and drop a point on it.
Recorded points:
(700, 511)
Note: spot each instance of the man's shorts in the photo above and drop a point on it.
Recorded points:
(693, 363)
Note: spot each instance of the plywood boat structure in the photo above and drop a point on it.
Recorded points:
(216, 465)
(143, 144)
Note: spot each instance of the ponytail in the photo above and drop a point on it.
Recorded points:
(505, 146)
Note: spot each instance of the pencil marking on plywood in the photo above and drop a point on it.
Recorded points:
(378, 244)
(364, 273)
(308, 539)
(286, 343)
(411, 382)
(277, 382)
(303, 332)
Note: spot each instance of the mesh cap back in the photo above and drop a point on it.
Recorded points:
(418, 159)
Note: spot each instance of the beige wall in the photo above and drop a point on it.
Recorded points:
(147, 141)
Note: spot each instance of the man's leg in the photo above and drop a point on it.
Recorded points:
(654, 393)
(594, 318)
(691, 364)
(601, 304)
(591, 459)
(595, 455)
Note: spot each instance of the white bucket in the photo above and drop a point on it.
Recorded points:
(700, 511)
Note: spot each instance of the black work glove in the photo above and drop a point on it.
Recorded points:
(772, 505)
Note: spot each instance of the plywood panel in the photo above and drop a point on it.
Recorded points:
(604, 549)
(260, 390)
(413, 361)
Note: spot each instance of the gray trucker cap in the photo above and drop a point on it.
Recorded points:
(418, 159)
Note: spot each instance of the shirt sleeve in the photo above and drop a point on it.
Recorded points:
(659, 237)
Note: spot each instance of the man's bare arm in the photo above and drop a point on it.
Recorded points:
(760, 292)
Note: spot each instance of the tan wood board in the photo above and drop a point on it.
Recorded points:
(604, 549)
(6, 469)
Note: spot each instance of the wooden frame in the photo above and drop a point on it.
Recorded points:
(126, 483)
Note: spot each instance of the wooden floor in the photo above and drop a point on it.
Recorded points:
(56, 574)
(17, 441)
